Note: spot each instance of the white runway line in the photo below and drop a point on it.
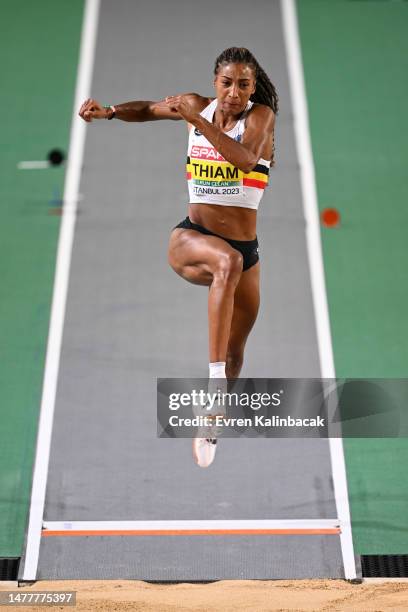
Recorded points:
(332, 526)
(307, 174)
(72, 178)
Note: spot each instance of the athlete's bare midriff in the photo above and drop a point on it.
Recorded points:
(232, 222)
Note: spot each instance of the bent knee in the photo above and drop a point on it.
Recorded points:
(229, 266)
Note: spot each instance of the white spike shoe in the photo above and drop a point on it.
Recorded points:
(204, 451)
(205, 444)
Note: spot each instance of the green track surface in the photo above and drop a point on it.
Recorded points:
(39, 44)
(355, 56)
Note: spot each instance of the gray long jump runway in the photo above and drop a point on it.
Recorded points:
(130, 319)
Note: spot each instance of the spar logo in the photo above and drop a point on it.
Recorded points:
(206, 153)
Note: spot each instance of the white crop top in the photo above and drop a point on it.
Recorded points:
(214, 180)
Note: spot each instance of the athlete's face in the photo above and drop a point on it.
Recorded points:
(234, 84)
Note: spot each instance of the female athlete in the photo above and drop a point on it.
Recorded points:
(230, 151)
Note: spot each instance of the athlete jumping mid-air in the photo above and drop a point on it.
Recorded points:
(230, 151)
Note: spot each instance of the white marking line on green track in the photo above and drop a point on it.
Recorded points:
(72, 178)
(33, 165)
(310, 204)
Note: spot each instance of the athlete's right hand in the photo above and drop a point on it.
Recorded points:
(91, 109)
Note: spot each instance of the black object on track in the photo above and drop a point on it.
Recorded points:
(384, 566)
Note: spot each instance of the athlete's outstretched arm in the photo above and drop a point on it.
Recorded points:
(139, 110)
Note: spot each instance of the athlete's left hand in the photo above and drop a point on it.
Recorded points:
(183, 107)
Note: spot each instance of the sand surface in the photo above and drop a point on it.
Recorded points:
(228, 596)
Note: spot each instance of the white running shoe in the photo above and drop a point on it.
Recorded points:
(205, 444)
(204, 451)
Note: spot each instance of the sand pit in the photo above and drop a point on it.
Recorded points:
(228, 596)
